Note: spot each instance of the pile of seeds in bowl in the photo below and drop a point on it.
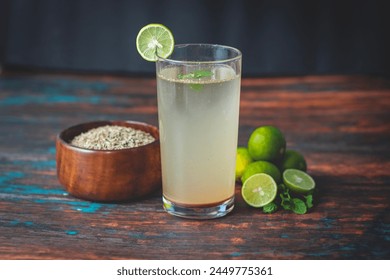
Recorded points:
(112, 137)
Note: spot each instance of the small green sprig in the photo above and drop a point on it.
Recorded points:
(197, 74)
(298, 206)
(290, 202)
(270, 208)
(309, 200)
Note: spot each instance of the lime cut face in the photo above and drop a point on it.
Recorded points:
(259, 190)
(154, 40)
(298, 181)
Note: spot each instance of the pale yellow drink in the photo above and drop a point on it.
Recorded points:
(198, 122)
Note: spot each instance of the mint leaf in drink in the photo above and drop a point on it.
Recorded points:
(202, 74)
(309, 200)
(182, 76)
(298, 206)
(197, 74)
(270, 208)
(196, 87)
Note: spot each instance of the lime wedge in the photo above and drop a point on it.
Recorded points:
(259, 190)
(298, 181)
(155, 40)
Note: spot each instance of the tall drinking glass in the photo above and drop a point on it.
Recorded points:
(198, 89)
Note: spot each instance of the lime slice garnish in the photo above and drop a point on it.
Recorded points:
(259, 190)
(155, 40)
(298, 181)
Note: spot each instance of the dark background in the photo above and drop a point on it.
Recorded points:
(276, 37)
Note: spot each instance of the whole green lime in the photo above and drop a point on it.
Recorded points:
(242, 160)
(262, 167)
(293, 160)
(266, 143)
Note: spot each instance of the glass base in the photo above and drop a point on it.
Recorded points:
(199, 212)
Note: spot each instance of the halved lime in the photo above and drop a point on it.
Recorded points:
(298, 181)
(259, 190)
(155, 40)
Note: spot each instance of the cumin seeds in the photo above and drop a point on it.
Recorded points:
(112, 137)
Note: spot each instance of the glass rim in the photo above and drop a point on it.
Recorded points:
(175, 61)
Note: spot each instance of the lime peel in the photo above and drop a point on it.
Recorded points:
(267, 143)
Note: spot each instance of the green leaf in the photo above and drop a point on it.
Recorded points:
(285, 197)
(197, 74)
(298, 206)
(285, 191)
(270, 208)
(309, 201)
(290, 202)
(286, 204)
(202, 73)
(196, 87)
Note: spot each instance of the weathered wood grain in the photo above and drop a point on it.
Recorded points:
(340, 123)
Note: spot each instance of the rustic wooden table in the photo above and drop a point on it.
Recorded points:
(340, 123)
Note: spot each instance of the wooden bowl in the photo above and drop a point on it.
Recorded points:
(108, 175)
